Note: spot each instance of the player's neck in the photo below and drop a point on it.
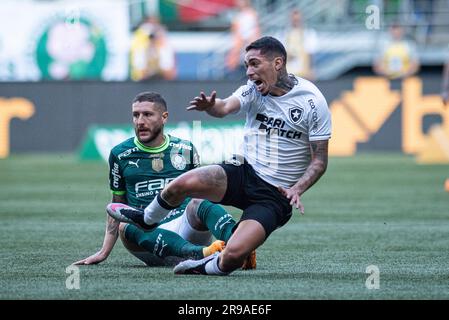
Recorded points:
(156, 142)
(283, 84)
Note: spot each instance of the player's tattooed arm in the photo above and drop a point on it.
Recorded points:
(110, 238)
(317, 166)
(112, 224)
(313, 173)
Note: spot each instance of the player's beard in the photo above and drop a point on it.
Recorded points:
(153, 134)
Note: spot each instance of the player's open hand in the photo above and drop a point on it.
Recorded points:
(93, 259)
(202, 102)
(293, 196)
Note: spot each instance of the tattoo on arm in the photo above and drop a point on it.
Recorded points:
(320, 153)
(317, 166)
(112, 224)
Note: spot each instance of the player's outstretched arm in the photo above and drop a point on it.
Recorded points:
(313, 173)
(110, 238)
(214, 106)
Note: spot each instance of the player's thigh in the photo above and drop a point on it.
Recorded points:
(209, 182)
(268, 214)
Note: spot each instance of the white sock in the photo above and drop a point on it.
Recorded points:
(154, 212)
(212, 267)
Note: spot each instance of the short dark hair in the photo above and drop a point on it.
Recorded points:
(270, 47)
(154, 97)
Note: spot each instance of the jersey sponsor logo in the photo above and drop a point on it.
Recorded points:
(296, 114)
(247, 92)
(314, 115)
(159, 244)
(180, 145)
(178, 161)
(115, 172)
(134, 163)
(273, 126)
(157, 164)
(227, 218)
(150, 187)
(127, 153)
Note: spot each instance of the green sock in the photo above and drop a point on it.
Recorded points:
(217, 220)
(164, 243)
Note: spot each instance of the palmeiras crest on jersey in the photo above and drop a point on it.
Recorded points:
(157, 164)
(295, 114)
(178, 161)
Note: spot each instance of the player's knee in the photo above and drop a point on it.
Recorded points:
(188, 182)
(192, 214)
(177, 187)
(122, 233)
(121, 230)
(194, 205)
(128, 244)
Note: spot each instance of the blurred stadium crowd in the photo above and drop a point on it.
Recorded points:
(200, 40)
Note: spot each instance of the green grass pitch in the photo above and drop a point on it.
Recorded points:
(372, 209)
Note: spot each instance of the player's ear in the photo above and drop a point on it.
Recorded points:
(278, 63)
(165, 116)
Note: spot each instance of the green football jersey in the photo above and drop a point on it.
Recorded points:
(141, 172)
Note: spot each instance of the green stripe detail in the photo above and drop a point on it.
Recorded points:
(118, 193)
(150, 149)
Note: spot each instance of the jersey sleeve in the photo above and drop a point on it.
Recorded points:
(195, 158)
(319, 118)
(245, 94)
(116, 180)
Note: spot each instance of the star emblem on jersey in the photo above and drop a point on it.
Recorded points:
(296, 114)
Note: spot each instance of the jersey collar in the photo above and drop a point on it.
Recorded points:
(161, 148)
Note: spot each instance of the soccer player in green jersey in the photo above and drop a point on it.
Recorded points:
(140, 168)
